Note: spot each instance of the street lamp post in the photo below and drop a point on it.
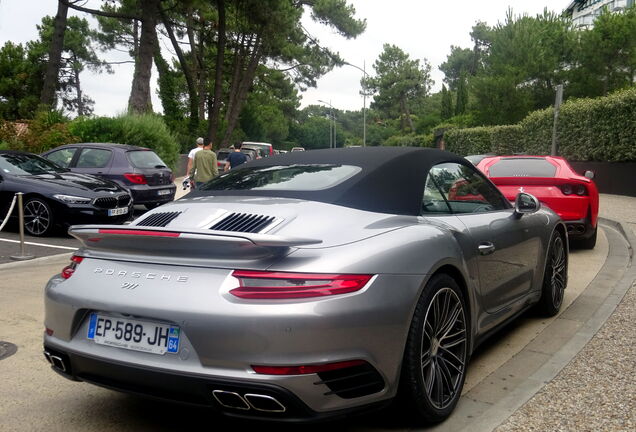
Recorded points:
(332, 117)
(364, 102)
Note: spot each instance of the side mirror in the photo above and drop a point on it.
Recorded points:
(526, 204)
(589, 174)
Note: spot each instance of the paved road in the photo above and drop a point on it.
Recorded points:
(35, 398)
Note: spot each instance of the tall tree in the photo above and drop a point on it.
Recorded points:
(447, 104)
(47, 97)
(462, 95)
(606, 55)
(459, 61)
(78, 53)
(20, 82)
(398, 82)
(148, 14)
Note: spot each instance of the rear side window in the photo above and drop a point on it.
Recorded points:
(62, 157)
(522, 167)
(93, 158)
(145, 159)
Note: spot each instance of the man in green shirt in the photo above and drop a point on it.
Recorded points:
(204, 166)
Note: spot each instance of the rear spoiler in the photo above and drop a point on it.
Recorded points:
(90, 235)
(165, 245)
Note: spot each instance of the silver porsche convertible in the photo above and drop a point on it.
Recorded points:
(307, 285)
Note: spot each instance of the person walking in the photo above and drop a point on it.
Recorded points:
(235, 158)
(204, 166)
(193, 152)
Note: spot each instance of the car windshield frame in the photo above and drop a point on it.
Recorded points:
(9, 167)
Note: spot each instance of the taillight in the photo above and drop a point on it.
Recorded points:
(578, 189)
(280, 285)
(306, 369)
(136, 178)
(68, 271)
(566, 189)
(581, 190)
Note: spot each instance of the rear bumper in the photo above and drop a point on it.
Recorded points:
(225, 396)
(144, 194)
(579, 228)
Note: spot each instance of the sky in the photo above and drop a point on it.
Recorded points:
(425, 29)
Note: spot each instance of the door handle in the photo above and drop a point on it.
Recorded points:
(486, 248)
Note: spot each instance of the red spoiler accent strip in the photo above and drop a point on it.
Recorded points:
(140, 233)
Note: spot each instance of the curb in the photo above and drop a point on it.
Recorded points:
(529, 370)
(37, 261)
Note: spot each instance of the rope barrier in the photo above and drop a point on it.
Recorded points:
(6, 219)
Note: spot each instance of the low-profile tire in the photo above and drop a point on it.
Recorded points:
(38, 217)
(437, 350)
(554, 277)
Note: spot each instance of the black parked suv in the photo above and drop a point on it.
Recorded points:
(137, 169)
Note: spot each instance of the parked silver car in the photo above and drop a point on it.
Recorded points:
(307, 285)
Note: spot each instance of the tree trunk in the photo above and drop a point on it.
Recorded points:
(47, 97)
(139, 101)
(246, 81)
(215, 104)
(185, 68)
(78, 89)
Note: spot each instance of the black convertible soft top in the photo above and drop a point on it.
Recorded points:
(391, 179)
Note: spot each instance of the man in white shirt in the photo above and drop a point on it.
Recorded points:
(193, 152)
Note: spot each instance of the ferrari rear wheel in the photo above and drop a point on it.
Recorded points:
(436, 353)
(554, 277)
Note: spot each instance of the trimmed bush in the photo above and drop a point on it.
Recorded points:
(409, 141)
(140, 130)
(600, 129)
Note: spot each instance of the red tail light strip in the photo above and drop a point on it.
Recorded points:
(306, 369)
(68, 271)
(136, 178)
(140, 233)
(281, 285)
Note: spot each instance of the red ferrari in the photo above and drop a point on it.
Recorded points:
(553, 181)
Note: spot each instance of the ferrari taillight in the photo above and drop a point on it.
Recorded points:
(282, 285)
(68, 271)
(578, 189)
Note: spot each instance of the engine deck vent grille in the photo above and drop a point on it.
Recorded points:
(159, 219)
(243, 222)
(352, 382)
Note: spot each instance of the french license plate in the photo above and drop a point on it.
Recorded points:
(133, 335)
(163, 192)
(117, 211)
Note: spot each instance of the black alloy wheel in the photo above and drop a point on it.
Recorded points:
(38, 217)
(436, 355)
(555, 277)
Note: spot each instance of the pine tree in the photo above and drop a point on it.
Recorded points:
(447, 104)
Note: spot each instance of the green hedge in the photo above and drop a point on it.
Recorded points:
(409, 141)
(141, 130)
(601, 129)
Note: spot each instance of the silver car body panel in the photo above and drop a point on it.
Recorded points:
(186, 281)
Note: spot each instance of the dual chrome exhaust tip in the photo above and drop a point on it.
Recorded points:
(56, 361)
(248, 401)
